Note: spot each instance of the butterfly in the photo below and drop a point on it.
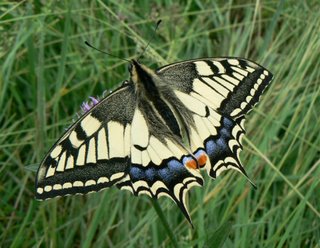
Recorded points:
(157, 131)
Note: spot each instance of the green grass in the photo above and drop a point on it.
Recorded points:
(47, 72)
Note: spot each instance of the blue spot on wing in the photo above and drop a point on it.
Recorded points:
(151, 173)
(164, 174)
(211, 147)
(174, 164)
(221, 143)
(169, 172)
(217, 147)
(136, 173)
(227, 123)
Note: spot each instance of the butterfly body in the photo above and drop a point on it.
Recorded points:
(154, 133)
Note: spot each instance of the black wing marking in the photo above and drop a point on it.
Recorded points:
(93, 153)
(232, 86)
(158, 161)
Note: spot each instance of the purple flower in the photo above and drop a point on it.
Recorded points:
(86, 106)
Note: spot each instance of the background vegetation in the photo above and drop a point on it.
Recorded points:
(47, 72)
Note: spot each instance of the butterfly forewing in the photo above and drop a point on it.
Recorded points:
(232, 86)
(86, 158)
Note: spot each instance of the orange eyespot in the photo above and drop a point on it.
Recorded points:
(202, 159)
(192, 164)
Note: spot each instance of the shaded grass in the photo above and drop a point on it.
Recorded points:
(47, 72)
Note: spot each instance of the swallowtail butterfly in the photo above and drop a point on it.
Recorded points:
(156, 132)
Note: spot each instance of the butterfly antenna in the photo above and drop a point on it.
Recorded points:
(89, 45)
(151, 39)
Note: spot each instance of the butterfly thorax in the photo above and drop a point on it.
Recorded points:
(149, 88)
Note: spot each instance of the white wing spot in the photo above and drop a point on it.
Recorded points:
(90, 125)
(177, 189)
(233, 143)
(78, 184)
(248, 99)
(102, 145)
(203, 68)
(116, 140)
(48, 188)
(233, 61)
(265, 72)
(90, 182)
(62, 162)
(103, 180)
(81, 155)
(56, 151)
(129, 188)
(74, 140)
(51, 170)
(91, 156)
(157, 185)
(67, 185)
(39, 190)
(57, 186)
(220, 67)
(116, 176)
(136, 185)
(70, 162)
(235, 112)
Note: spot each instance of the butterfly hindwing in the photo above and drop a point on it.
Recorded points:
(86, 158)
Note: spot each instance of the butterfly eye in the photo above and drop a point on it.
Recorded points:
(125, 82)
